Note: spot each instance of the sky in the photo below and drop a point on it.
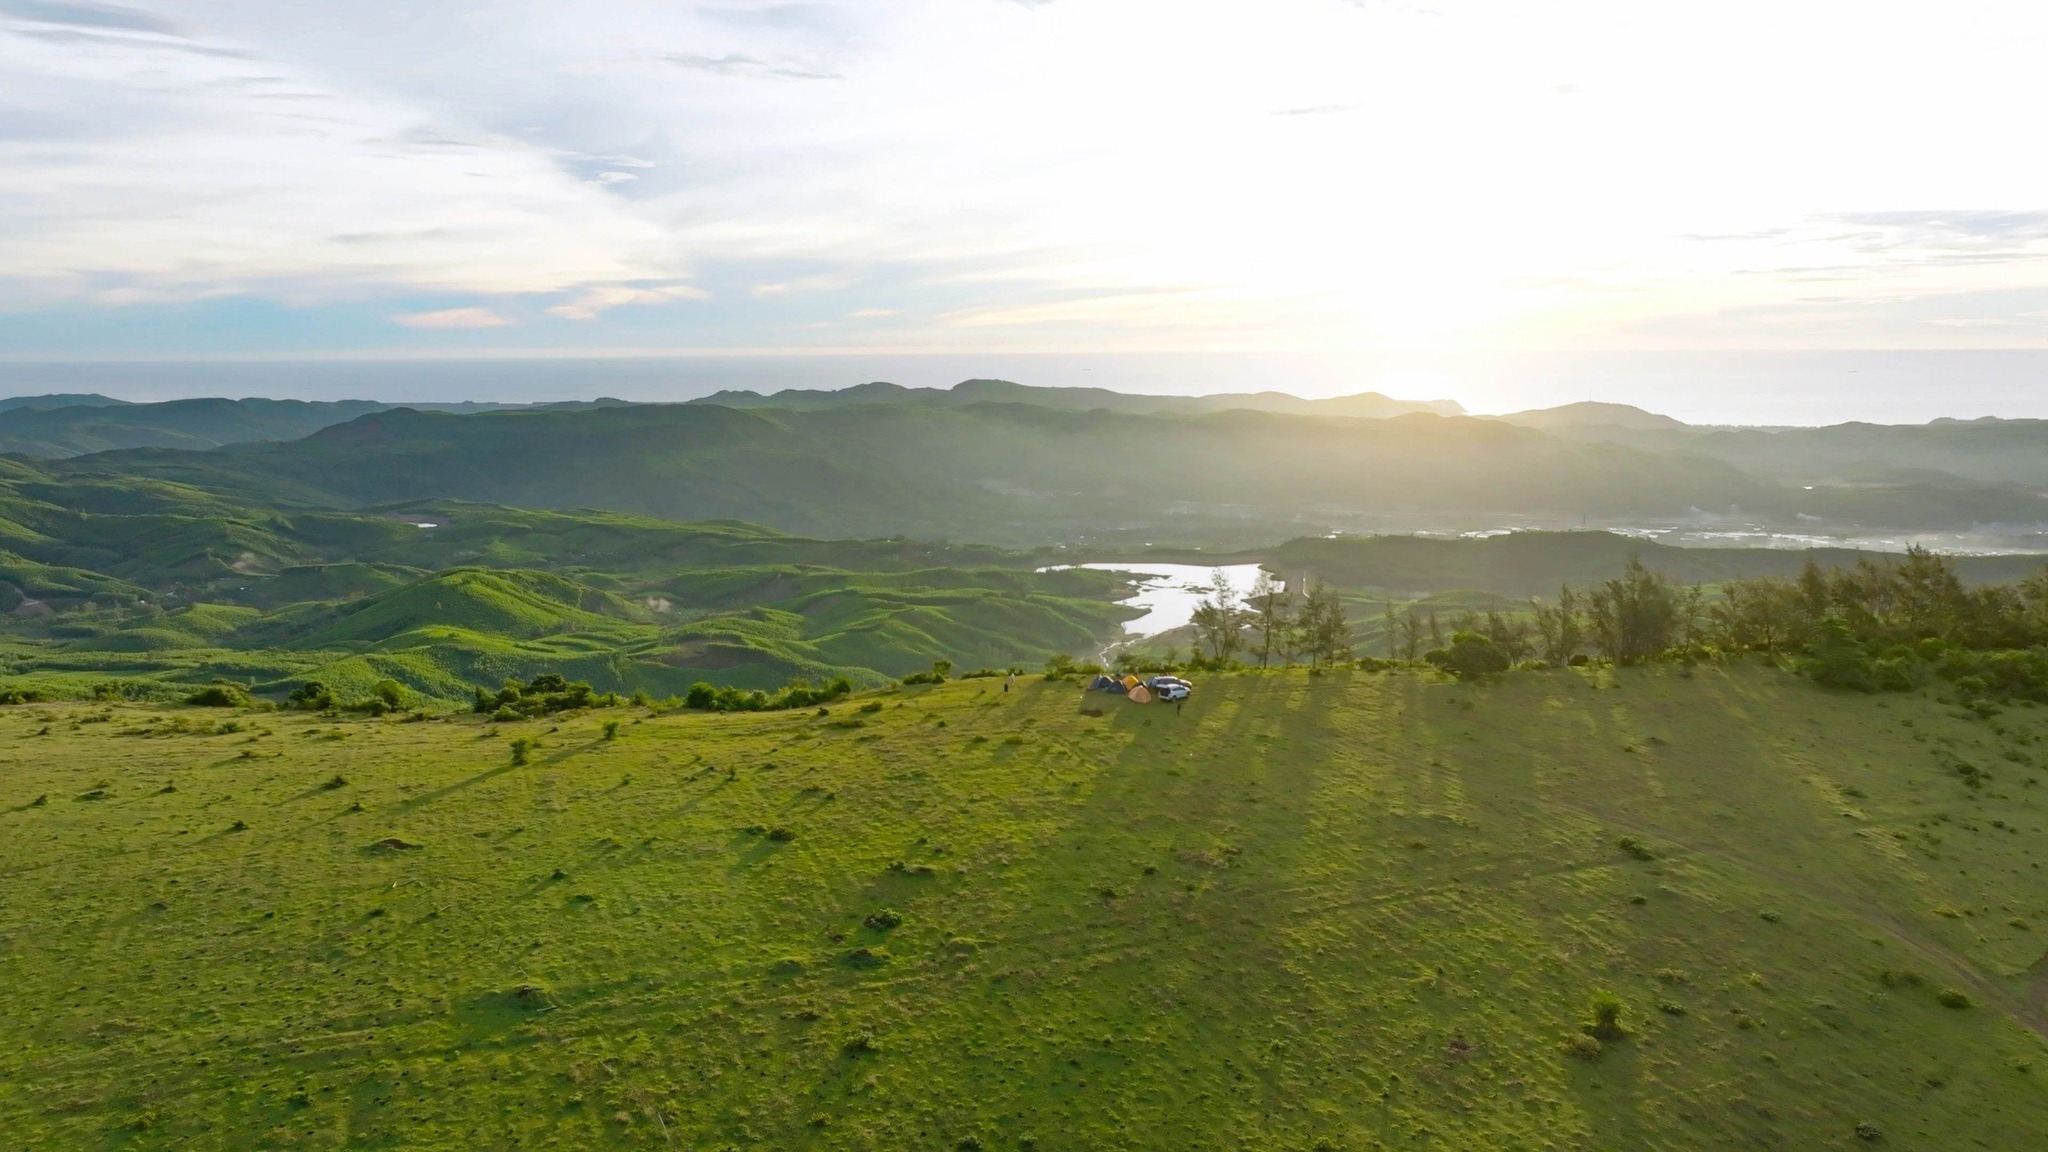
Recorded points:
(1342, 180)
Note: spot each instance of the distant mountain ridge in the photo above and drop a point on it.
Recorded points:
(1022, 475)
(60, 400)
(1369, 405)
(76, 425)
(1593, 414)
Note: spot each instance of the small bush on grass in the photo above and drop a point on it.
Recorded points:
(312, 696)
(941, 670)
(1607, 1025)
(221, 695)
(1637, 848)
(1954, 998)
(1582, 1046)
(796, 694)
(1470, 656)
(883, 921)
(522, 750)
(545, 693)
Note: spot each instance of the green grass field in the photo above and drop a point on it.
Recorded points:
(1350, 911)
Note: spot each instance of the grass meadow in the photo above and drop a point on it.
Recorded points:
(1347, 911)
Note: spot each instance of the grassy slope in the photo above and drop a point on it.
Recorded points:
(1356, 909)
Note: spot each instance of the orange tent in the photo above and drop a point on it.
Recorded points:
(1141, 695)
(1130, 681)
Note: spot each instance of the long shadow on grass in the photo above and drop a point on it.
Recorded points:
(489, 774)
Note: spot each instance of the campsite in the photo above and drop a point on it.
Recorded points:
(1168, 689)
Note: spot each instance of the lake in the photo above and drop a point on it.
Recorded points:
(1169, 592)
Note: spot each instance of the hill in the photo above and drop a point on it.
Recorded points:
(1589, 413)
(74, 425)
(1950, 453)
(59, 400)
(1346, 911)
(513, 604)
(1018, 474)
(78, 429)
(1370, 405)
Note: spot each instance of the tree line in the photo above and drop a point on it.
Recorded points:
(1271, 623)
(1879, 624)
(1888, 623)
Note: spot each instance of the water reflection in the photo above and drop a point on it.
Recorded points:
(1169, 592)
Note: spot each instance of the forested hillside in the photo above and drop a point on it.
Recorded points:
(1023, 475)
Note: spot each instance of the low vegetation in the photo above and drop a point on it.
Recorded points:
(1357, 910)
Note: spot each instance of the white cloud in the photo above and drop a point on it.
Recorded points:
(151, 168)
(453, 318)
(826, 282)
(593, 302)
(1291, 173)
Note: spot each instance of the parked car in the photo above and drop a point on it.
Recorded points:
(1172, 690)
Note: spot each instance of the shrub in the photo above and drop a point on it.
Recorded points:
(870, 707)
(1954, 998)
(1636, 848)
(883, 921)
(1582, 1046)
(312, 696)
(781, 835)
(1469, 656)
(611, 729)
(941, 670)
(522, 750)
(545, 693)
(506, 715)
(221, 694)
(1607, 1024)
(1835, 659)
(1869, 1132)
(795, 694)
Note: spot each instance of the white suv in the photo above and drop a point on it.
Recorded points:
(1169, 687)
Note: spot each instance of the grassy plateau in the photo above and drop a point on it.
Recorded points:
(1346, 911)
